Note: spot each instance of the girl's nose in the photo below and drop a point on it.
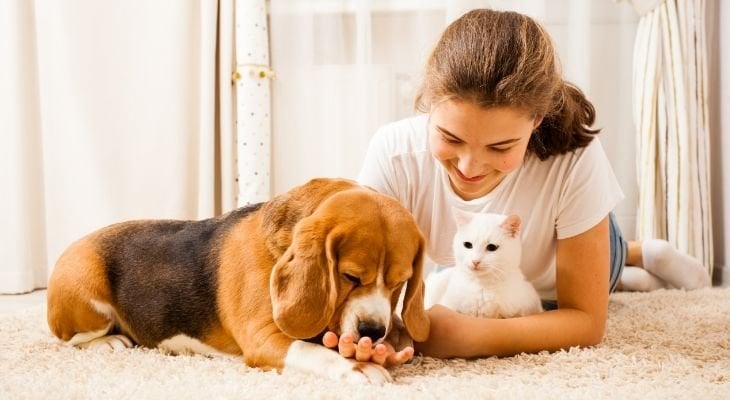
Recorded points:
(469, 166)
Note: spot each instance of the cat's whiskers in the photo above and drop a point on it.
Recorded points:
(490, 270)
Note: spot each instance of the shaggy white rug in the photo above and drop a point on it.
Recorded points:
(667, 344)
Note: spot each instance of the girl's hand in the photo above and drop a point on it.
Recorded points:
(447, 336)
(382, 353)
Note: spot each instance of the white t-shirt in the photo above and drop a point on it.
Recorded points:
(558, 198)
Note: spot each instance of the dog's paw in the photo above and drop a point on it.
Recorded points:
(319, 360)
(110, 342)
(367, 372)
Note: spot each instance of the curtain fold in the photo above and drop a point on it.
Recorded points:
(112, 113)
(670, 108)
(226, 187)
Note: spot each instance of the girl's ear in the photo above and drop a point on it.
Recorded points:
(537, 122)
(511, 225)
(461, 217)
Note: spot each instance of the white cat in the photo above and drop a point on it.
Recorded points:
(486, 280)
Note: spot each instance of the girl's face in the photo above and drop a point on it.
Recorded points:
(478, 146)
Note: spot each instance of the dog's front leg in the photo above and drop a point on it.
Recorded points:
(279, 351)
(317, 359)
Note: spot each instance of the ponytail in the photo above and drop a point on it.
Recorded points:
(567, 127)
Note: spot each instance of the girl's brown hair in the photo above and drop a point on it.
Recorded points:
(498, 58)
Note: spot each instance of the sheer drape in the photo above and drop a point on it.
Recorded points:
(344, 68)
(671, 111)
(110, 112)
(718, 62)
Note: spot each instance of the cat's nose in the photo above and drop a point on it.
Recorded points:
(475, 264)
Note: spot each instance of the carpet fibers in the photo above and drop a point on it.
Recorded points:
(667, 344)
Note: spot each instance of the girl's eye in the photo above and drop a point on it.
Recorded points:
(467, 245)
(492, 247)
(352, 278)
(500, 149)
(450, 140)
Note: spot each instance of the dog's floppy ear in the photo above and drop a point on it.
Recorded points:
(283, 212)
(413, 314)
(303, 284)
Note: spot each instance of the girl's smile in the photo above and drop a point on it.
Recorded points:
(472, 179)
(478, 146)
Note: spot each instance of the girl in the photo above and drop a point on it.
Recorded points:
(504, 132)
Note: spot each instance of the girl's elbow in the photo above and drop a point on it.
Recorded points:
(593, 340)
(594, 335)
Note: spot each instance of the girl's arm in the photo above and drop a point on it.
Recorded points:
(582, 281)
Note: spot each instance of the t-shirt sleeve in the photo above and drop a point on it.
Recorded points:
(589, 192)
(378, 170)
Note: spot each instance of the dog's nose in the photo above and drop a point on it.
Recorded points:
(371, 330)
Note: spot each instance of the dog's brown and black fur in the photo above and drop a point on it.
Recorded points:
(328, 255)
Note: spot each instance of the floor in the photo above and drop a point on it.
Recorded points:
(13, 302)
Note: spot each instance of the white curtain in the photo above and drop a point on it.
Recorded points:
(671, 111)
(344, 68)
(110, 111)
(718, 63)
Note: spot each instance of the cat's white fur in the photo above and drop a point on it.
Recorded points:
(485, 282)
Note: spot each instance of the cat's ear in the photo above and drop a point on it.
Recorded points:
(460, 216)
(511, 225)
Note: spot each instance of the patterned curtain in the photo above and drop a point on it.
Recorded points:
(253, 98)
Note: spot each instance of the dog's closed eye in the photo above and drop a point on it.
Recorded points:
(352, 278)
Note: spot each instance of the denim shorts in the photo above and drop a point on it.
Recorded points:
(619, 247)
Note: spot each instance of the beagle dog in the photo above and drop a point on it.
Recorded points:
(259, 281)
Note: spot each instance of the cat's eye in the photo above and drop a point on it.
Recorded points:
(467, 245)
(492, 247)
(352, 278)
